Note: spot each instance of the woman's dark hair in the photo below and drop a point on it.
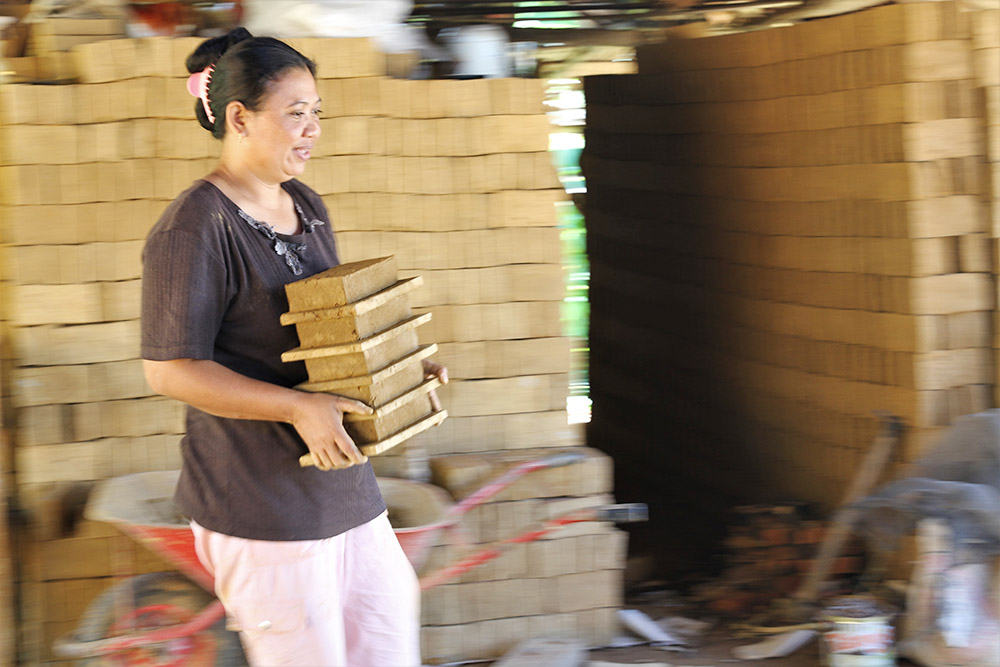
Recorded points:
(244, 66)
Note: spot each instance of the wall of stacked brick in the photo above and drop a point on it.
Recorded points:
(807, 212)
(451, 177)
(986, 64)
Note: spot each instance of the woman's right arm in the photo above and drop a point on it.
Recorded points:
(215, 389)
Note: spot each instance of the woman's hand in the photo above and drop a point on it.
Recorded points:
(432, 369)
(319, 420)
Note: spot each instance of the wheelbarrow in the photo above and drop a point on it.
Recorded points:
(171, 619)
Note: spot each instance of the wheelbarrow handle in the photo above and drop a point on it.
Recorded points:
(624, 513)
(618, 513)
(563, 459)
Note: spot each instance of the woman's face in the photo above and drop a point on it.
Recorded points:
(282, 133)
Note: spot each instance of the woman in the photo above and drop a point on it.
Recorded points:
(304, 559)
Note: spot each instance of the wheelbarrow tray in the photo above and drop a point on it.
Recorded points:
(142, 506)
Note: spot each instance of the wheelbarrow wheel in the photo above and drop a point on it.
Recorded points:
(154, 600)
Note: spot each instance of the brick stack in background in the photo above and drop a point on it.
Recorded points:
(569, 583)
(455, 182)
(452, 178)
(51, 40)
(787, 231)
(986, 66)
(571, 62)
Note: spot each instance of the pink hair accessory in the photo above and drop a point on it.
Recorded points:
(197, 85)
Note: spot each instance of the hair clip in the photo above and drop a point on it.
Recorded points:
(197, 85)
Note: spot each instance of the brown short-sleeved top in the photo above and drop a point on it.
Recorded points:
(213, 288)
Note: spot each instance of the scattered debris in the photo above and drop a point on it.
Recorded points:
(603, 663)
(688, 630)
(777, 646)
(644, 626)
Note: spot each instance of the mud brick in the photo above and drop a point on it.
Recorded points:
(516, 134)
(18, 225)
(21, 144)
(464, 360)
(49, 385)
(461, 474)
(610, 549)
(502, 321)
(44, 425)
(55, 304)
(523, 208)
(342, 284)
(389, 418)
(20, 185)
(78, 461)
(946, 138)
(469, 398)
(516, 96)
(384, 384)
(939, 60)
(99, 142)
(88, 343)
(116, 380)
(514, 517)
(587, 590)
(440, 605)
(127, 418)
(944, 216)
(354, 321)
(965, 330)
(350, 135)
(120, 300)
(512, 431)
(75, 558)
(442, 642)
(18, 104)
(361, 357)
(975, 253)
(951, 368)
(95, 61)
(946, 294)
(598, 626)
(552, 557)
(553, 508)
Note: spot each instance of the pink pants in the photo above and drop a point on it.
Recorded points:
(350, 600)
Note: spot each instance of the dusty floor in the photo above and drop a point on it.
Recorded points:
(714, 649)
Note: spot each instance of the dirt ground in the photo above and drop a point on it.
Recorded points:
(715, 651)
(714, 648)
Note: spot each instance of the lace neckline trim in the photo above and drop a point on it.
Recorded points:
(289, 250)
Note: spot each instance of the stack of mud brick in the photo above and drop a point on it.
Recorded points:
(451, 178)
(51, 40)
(359, 339)
(789, 229)
(986, 63)
(569, 62)
(568, 584)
